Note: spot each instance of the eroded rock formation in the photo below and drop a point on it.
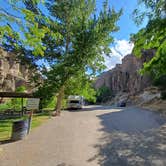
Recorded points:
(12, 73)
(125, 77)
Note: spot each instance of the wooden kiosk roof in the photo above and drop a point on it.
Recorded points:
(17, 95)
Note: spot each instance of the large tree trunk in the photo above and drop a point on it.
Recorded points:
(59, 101)
(61, 91)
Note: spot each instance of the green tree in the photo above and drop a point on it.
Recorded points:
(19, 24)
(81, 85)
(16, 102)
(73, 40)
(154, 9)
(152, 36)
(85, 36)
(103, 94)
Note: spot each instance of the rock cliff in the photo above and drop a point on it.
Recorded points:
(125, 77)
(12, 73)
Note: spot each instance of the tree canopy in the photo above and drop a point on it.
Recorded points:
(71, 36)
(154, 9)
(153, 36)
(19, 25)
(84, 36)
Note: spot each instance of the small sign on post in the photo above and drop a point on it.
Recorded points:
(32, 104)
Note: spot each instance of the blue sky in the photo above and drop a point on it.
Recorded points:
(126, 24)
(127, 27)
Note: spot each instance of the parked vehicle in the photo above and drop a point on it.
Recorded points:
(121, 104)
(75, 102)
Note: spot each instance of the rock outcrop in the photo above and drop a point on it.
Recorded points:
(125, 77)
(12, 73)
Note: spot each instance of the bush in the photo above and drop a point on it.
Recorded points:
(163, 95)
(103, 94)
(16, 102)
(49, 102)
(161, 83)
(4, 106)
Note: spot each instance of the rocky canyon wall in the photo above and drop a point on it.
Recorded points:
(12, 73)
(125, 77)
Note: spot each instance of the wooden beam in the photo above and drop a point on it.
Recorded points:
(17, 95)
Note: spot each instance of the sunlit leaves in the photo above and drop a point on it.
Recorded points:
(31, 34)
(154, 9)
(29, 16)
(152, 37)
(81, 85)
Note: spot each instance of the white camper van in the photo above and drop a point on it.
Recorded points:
(75, 102)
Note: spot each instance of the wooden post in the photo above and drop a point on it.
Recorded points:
(22, 106)
(30, 121)
(59, 101)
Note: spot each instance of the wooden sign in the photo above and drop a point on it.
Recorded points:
(33, 104)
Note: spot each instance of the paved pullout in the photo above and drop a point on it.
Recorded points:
(96, 135)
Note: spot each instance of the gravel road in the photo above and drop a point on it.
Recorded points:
(94, 136)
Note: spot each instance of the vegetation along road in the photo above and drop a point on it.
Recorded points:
(96, 135)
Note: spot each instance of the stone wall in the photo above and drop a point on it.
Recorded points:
(125, 77)
(12, 73)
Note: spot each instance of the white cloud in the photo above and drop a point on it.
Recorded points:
(119, 50)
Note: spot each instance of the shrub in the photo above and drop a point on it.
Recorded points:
(103, 94)
(161, 83)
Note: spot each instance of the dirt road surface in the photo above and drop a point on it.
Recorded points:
(94, 136)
